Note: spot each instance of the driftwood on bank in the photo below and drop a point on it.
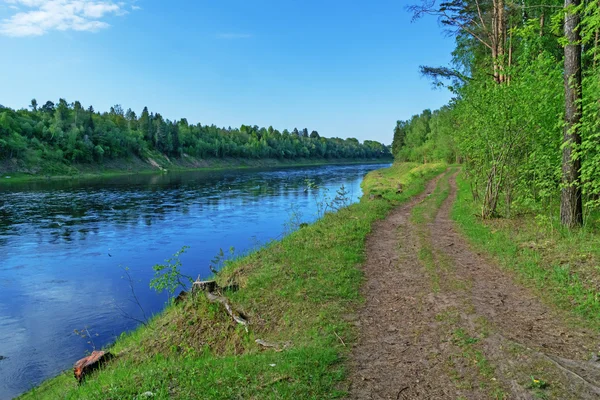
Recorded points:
(214, 294)
(275, 346)
(236, 315)
(211, 289)
(90, 363)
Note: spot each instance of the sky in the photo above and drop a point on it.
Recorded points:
(343, 68)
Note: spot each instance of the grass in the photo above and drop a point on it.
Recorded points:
(563, 266)
(299, 293)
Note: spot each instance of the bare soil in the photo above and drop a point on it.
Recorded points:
(441, 321)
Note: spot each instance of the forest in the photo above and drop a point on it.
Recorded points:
(69, 133)
(525, 114)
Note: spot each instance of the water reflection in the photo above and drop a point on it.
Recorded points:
(63, 245)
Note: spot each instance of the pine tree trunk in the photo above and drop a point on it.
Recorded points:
(571, 209)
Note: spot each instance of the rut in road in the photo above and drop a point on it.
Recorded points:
(441, 321)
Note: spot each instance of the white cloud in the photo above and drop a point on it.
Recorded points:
(234, 35)
(37, 17)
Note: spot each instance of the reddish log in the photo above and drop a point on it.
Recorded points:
(90, 363)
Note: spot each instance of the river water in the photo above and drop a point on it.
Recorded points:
(64, 246)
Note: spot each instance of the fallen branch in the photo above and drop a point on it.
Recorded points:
(400, 392)
(560, 361)
(275, 346)
(557, 361)
(237, 317)
(276, 380)
(338, 336)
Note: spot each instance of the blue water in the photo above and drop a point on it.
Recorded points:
(64, 244)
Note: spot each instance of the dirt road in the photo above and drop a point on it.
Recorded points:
(443, 322)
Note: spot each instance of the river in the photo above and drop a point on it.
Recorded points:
(65, 245)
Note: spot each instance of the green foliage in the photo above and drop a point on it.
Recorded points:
(219, 260)
(168, 276)
(427, 137)
(68, 133)
(506, 119)
(510, 135)
(538, 383)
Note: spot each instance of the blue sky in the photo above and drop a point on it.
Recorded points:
(344, 68)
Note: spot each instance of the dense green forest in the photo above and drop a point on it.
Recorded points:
(525, 115)
(69, 133)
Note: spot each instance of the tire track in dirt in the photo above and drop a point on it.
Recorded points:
(389, 359)
(441, 321)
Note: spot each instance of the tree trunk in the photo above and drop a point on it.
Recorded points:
(501, 40)
(571, 208)
(510, 50)
(498, 40)
(596, 44)
(495, 40)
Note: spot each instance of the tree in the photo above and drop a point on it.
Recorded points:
(399, 136)
(571, 205)
(61, 114)
(117, 109)
(305, 132)
(484, 23)
(68, 133)
(145, 124)
(88, 124)
(131, 118)
(314, 135)
(48, 107)
(78, 111)
(34, 105)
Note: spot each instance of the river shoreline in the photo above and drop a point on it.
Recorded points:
(288, 288)
(140, 167)
(75, 235)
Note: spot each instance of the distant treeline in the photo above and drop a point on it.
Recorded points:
(69, 133)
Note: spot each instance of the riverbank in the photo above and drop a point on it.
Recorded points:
(300, 294)
(156, 163)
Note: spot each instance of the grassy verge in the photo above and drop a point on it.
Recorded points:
(299, 293)
(156, 164)
(563, 266)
